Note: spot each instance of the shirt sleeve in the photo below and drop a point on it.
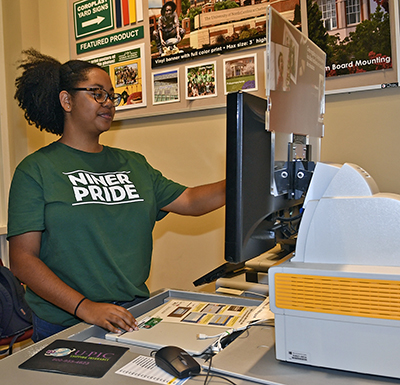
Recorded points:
(25, 204)
(165, 190)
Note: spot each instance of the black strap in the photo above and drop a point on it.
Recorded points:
(10, 346)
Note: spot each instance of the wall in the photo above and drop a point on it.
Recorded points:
(363, 128)
(30, 23)
(190, 147)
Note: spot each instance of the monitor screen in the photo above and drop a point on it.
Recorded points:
(273, 144)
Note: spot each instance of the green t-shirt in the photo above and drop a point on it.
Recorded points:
(96, 212)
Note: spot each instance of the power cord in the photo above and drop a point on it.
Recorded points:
(217, 346)
(226, 334)
(209, 376)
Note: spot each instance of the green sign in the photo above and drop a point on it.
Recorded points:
(110, 40)
(92, 16)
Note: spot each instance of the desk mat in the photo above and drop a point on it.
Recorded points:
(75, 358)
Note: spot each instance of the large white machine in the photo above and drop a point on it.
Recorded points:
(337, 299)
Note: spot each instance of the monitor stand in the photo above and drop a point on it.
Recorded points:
(226, 269)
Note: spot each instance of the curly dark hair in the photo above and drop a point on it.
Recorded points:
(40, 84)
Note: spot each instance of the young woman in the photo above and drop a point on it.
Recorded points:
(81, 214)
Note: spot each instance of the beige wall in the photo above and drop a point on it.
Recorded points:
(363, 128)
(190, 147)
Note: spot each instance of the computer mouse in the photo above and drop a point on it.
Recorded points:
(177, 362)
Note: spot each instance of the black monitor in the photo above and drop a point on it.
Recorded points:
(258, 216)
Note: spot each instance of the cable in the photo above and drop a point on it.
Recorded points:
(201, 336)
(208, 370)
(290, 219)
(208, 375)
(217, 346)
(214, 375)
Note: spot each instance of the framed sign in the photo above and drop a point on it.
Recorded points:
(127, 69)
(166, 86)
(201, 81)
(240, 73)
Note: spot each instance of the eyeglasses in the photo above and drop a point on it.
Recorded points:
(101, 96)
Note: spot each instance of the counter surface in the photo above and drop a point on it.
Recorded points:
(255, 345)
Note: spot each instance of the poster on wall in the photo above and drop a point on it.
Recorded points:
(166, 86)
(181, 30)
(201, 81)
(364, 50)
(240, 73)
(359, 40)
(126, 68)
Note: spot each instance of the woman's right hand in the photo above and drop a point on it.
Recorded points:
(108, 316)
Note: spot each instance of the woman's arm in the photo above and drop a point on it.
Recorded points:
(26, 265)
(199, 200)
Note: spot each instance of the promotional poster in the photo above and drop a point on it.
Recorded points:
(181, 31)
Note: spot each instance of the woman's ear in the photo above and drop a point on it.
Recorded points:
(65, 100)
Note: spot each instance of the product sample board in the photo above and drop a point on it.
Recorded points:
(179, 322)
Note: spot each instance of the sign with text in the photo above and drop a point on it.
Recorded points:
(232, 14)
(110, 40)
(92, 16)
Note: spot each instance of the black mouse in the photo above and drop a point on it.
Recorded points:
(177, 362)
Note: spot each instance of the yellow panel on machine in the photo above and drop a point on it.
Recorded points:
(338, 295)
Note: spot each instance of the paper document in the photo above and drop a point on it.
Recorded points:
(145, 368)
